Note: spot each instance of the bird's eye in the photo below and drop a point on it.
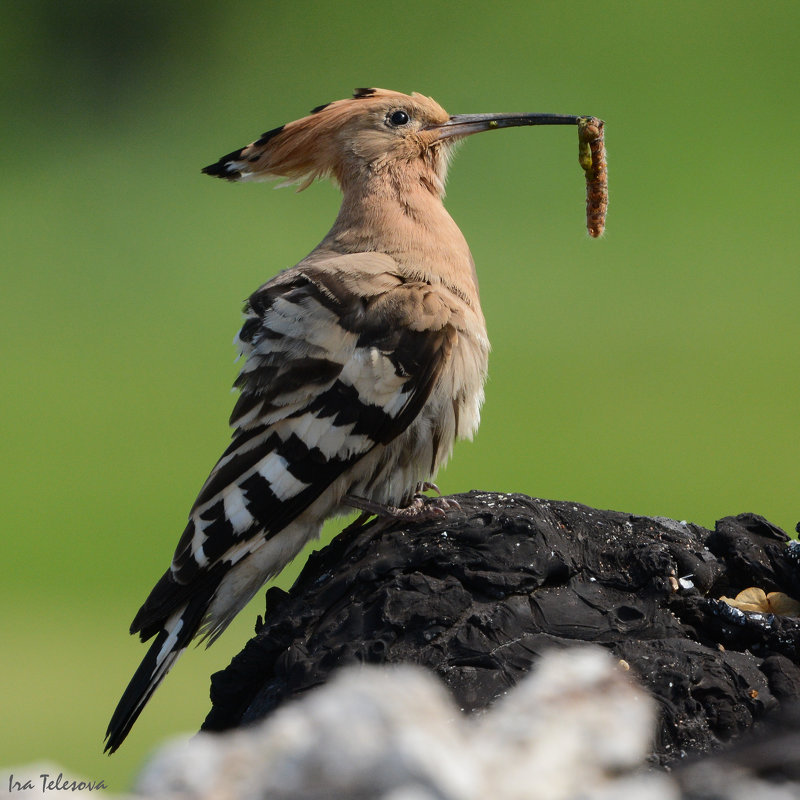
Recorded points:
(398, 118)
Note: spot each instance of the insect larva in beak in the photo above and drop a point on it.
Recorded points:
(592, 157)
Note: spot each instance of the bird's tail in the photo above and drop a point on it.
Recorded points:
(171, 640)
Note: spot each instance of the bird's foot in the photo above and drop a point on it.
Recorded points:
(443, 503)
(420, 509)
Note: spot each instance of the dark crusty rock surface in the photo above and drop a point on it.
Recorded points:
(480, 595)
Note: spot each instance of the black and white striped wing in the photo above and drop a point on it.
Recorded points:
(337, 364)
(340, 359)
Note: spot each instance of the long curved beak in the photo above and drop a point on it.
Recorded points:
(467, 124)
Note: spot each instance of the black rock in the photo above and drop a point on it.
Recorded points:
(478, 596)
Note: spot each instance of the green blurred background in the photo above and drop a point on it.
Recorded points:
(654, 371)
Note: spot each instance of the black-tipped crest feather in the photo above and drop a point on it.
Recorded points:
(224, 169)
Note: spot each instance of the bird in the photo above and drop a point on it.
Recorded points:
(362, 365)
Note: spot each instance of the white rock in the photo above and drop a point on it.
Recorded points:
(572, 723)
(369, 732)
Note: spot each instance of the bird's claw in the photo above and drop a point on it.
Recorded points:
(443, 504)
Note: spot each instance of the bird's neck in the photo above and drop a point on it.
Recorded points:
(401, 213)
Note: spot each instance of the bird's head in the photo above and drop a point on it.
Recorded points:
(375, 131)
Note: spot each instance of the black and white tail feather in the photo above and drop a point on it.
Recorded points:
(337, 398)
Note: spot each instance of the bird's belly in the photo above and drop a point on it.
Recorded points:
(391, 473)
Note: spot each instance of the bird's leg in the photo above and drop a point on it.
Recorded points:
(421, 508)
(359, 522)
(416, 511)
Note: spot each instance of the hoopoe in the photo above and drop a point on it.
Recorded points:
(363, 364)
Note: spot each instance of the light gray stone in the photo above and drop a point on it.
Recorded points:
(570, 729)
